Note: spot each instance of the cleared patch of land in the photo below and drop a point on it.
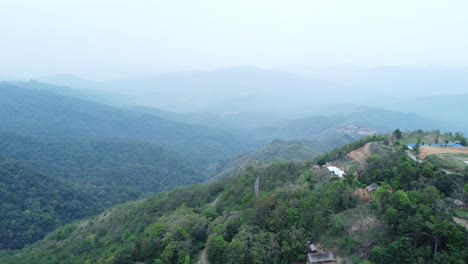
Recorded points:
(426, 138)
(426, 151)
(361, 154)
(453, 163)
(461, 222)
(363, 195)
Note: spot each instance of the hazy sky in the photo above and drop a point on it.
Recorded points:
(101, 39)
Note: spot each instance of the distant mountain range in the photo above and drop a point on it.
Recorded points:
(355, 124)
(47, 114)
(230, 90)
(449, 108)
(392, 81)
(272, 95)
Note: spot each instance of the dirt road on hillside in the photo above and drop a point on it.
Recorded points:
(203, 258)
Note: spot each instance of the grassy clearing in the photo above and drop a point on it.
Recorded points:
(461, 213)
(452, 162)
(426, 138)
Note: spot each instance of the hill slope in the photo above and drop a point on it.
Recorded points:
(46, 114)
(34, 204)
(101, 151)
(278, 151)
(135, 166)
(407, 219)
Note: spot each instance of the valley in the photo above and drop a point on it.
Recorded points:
(131, 165)
(233, 132)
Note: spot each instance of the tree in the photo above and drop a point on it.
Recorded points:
(438, 230)
(216, 250)
(463, 142)
(123, 257)
(399, 251)
(397, 134)
(126, 235)
(237, 252)
(418, 145)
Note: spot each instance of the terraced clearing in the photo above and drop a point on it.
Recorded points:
(426, 151)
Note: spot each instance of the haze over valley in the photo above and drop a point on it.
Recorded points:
(233, 132)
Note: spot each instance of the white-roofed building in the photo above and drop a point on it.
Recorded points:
(336, 171)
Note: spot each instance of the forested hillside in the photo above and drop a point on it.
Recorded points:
(278, 151)
(94, 156)
(47, 114)
(408, 220)
(104, 154)
(137, 166)
(33, 204)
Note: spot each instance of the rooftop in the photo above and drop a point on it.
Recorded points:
(320, 257)
(336, 171)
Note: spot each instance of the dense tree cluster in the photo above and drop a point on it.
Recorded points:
(34, 204)
(142, 167)
(413, 204)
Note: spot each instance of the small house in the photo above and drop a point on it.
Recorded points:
(320, 258)
(373, 187)
(334, 170)
(459, 204)
(313, 248)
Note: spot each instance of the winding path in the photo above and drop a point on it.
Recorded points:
(203, 258)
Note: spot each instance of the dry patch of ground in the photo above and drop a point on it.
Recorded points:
(361, 154)
(461, 221)
(363, 195)
(426, 151)
(358, 223)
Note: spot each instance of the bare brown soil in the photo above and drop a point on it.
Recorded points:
(361, 154)
(426, 151)
(363, 195)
